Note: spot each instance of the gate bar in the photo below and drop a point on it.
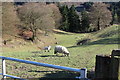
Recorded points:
(83, 72)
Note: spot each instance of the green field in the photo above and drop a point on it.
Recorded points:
(81, 56)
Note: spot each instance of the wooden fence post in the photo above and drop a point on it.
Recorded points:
(102, 68)
(108, 66)
(115, 64)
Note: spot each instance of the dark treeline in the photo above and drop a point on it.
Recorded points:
(115, 9)
(94, 17)
(70, 19)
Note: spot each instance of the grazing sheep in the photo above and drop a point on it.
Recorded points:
(61, 49)
(47, 48)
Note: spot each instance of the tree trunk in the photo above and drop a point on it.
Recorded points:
(34, 36)
(98, 24)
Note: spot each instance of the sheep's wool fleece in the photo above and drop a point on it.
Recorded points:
(47, 48)
(61, 49)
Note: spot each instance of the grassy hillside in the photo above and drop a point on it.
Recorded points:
(12, 27)
(81, 56)
(98, 45)
(110, 32)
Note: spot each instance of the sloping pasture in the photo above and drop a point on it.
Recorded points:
(81, 56)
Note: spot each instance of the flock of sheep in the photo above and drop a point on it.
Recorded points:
(58, 49)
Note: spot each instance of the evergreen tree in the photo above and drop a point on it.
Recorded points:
(73, 20)
(118, 15)
(85, 23)
(65, 24)
(115, 9)
(118, 11)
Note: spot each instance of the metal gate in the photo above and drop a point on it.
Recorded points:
(83, 72)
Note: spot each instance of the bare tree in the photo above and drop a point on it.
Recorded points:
(100, 16)
(57, 15)
(36, 16)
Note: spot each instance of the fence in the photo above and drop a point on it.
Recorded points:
(83, 72)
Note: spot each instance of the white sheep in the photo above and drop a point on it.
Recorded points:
(61, 49)
(47, 48)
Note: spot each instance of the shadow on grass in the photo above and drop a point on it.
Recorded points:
(72, 46)
(105, 41)
(55, 74)
(108, 34)
(52, 56)
(68, 75)
(40, 52)
(61, 74)
(100, 42)
(40, 71)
